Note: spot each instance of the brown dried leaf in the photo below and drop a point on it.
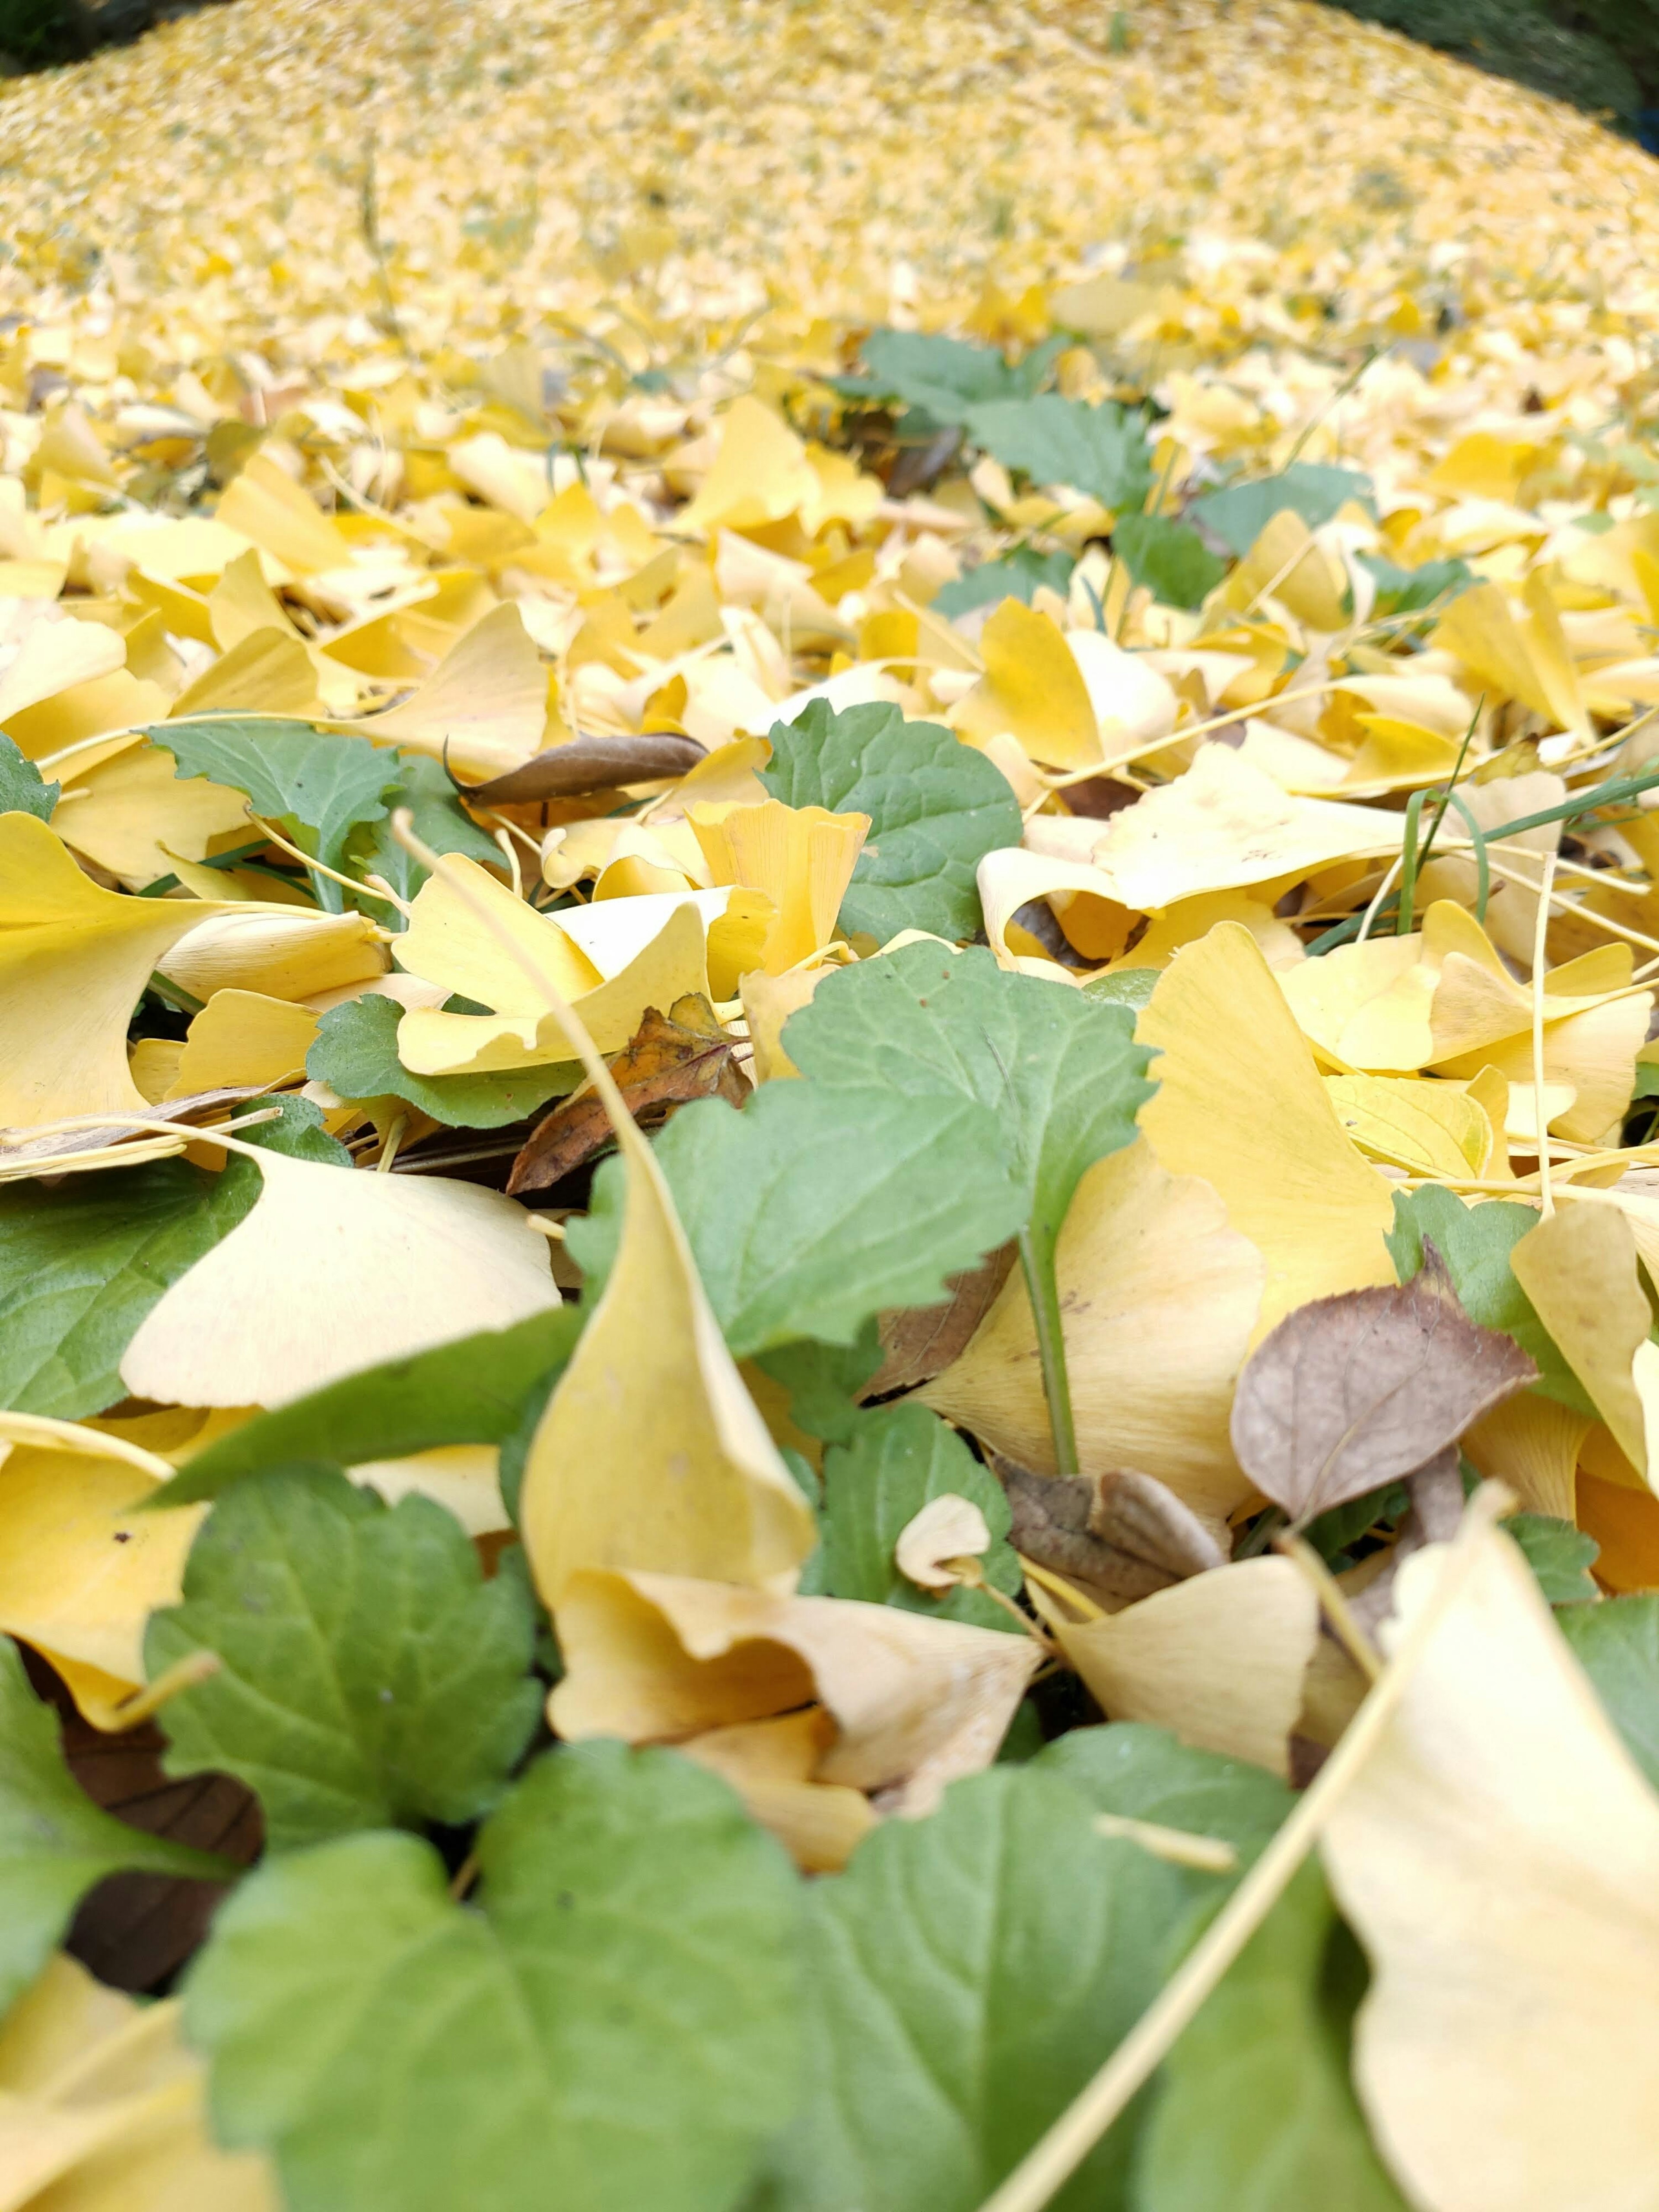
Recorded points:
(1353, 1391)
(921, 1341)
(135, 1930)
(670, 1058)
(589, 763)
(1053, 1527)
(1143, 1516)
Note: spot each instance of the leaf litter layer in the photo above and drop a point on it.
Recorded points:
(827, 1158)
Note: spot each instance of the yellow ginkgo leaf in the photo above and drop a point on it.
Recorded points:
(1032, 687)
(916, 1703)
(1498, 1857)
(1159, 1298)
(129, 813)
(1012, 877)
(284, 952)
(330, 1272)
(1590, 1057)
(1240, 1102)
(650, 951)
(103, 2107)
(1579, 1268)
(243, 1036)
(1188, 920)
(1225, 825)
(268, 672)
(53, 657)
(693, 1482)
(771, 1764)
(1503, 654)
(83, 1565)
(1531, 1444)
(1219, 1660)
(269, 510)
(1431, 1128)
(801, 858)
(74, 961)
(760, 473)
(483, 708)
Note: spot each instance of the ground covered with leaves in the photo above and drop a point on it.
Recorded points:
(827, 1204)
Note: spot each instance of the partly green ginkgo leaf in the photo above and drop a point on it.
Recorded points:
(1617, 1644)
(1061, 1071)
(369, 1677)
(894, 1461)
(82, 1264)
(1016, 576)
(315, 785)
(23, 789)
(470, 1392)
(1101, 451)
(1313, 489)
(54, 1842)
(356, 1055)
(936, 807)
(817, 1207)
(1168, 557)
(1256, 2111)
(965, 1977)
(1475, 1242)
(612, 2024)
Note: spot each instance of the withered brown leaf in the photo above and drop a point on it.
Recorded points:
(920, 1341)
(670, 1058)
(590, 764)
(1353, 1391)
(1121, 1535)
(135, 1930)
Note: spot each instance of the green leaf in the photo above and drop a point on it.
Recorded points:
(1015, 576)
(1142, 1773)
(316, 785)
(1408, 591)
(816, 1207)
(1312, 489)
(1257, 2112)
(876, 1483)
(470, 1392)
(355, 1053)
(297, 1130)
(616, 2028)
(936, 808)
(440, 821)
(370, 1677)
(1475, 1243)
(1100, 451)
(824, 1381)
(23, 789)
(82, 1265)
(54, 1842)
(965, 1977)
(944, 377)
(1168, 557)
(1617, 1644)
(1560, 1555)
(1060, 1071)
(1332, 1533)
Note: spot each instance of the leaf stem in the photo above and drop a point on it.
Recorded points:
(1043, 1289)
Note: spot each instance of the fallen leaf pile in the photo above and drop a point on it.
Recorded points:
(829, 1187)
